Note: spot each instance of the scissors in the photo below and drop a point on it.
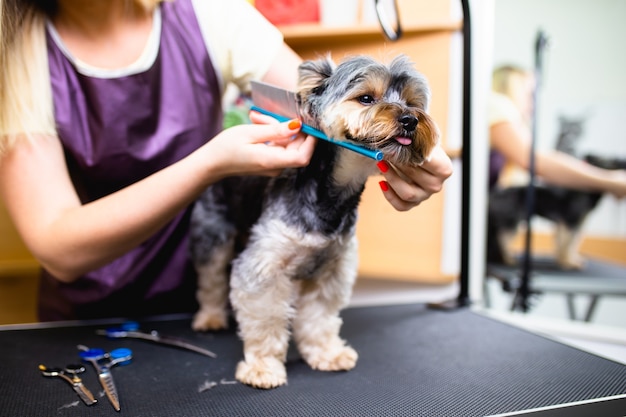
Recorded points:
(70, 374)
(131, 329)
(103, 362)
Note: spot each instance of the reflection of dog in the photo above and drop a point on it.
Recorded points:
(291, 239)
(567, 208)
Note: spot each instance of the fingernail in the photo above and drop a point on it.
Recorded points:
(383, 185)
(294, 124)
(382, 165)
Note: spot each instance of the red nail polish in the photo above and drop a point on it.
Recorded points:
(294, 124)
(382, 165)
(383, 185)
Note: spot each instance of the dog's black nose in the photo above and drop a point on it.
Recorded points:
(408, 121)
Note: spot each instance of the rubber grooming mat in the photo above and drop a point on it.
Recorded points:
(413, 362)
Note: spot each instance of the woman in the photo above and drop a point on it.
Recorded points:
(510, 111)
(110, 129)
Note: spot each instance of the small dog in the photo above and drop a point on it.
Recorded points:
(288, 242)
(566, 207)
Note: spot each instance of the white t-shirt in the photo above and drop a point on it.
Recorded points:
(242, 44)
(501, 108)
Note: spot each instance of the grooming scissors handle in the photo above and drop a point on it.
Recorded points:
(309, 130)
(73, 380)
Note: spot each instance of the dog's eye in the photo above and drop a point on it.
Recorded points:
(366, 99)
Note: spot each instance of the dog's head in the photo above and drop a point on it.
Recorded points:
(379, 106)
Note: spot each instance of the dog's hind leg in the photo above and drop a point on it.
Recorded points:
(212, 293)
(317, 323)
(567, 243)
(212, 242)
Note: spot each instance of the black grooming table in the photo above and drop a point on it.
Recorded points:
(413, 362)
(595, 280)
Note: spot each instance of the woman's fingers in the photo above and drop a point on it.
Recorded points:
(407, 187)
(260, 118)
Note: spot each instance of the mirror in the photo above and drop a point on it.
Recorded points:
(580, 108)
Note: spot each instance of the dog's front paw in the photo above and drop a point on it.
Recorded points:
(263, 373)
(335, 360)
(209, 319)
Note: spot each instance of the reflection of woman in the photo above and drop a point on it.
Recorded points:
(110, 119)
(509, 113)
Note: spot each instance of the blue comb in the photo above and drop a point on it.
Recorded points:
(285, 106)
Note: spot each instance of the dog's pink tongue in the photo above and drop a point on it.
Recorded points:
(403, 140)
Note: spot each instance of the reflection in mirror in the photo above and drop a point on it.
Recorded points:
(578, 234)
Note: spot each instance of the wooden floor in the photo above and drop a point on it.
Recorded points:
(18, 298)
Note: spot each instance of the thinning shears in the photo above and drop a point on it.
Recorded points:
(131, 329)
(70, 374)
(103, 362)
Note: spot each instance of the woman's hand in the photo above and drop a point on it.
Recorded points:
(260, 149)
(407, 187)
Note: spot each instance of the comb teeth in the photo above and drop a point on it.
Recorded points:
(275, 100)
(279, 101)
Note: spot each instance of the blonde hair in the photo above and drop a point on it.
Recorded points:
(25, 91)
(503, 78)
(26, 106)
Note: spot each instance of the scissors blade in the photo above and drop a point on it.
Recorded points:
(84, 394)
(106, 380)
(155, 337)
(172, 341)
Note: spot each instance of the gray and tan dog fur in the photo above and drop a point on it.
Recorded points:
(283, 250)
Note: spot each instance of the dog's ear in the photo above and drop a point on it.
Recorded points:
(313, 75)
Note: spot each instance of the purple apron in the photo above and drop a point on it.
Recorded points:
(116, 131)
(496, 165)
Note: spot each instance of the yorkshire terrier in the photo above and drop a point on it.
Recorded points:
(288, 243)
(567, 208)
